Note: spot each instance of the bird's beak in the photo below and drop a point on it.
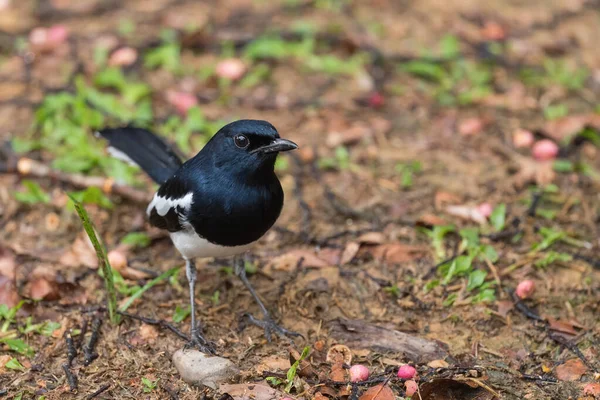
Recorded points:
(277, 146)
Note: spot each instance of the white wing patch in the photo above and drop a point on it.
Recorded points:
(119, 155)
(163, 205)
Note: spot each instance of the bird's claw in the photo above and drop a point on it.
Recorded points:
(198, 342)
(270, 327)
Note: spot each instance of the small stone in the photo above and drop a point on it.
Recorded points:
(197, 368)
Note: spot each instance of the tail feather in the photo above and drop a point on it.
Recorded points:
(143, 148)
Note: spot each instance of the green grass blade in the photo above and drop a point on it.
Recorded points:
(102, 259)
(150, 284)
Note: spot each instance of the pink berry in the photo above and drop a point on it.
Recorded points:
(485, 209)
(57, 34)
(411, 387)
(522, 138)
(124, 56)
(376, 100)
(470, 127)
(231, 68)
(359, 373)
(406, 372)
(525, 289)
(182, 101)
(544, 150)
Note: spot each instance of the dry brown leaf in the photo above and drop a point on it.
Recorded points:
(339, 353)
(453, 389)
(563, 128)
(467, 213)
(442, 198)
(349, 252)
(438, 364)
(592, 389)
(148, 332)
(251, 391)
(504, 307)
(371, 238)
(348, 136)
(379, 392)
(81, 253)
(8, 292)
(471, 126)
(289, 260)
(538, 172)
(43, 289)
(397, 252)
(273, 363)
(430, 220)
(560, 325)
(571, 370)
(4, 359)
(7, 263)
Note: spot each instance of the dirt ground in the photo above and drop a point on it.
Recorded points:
(448, 154)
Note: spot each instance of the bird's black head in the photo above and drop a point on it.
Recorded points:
(247, 145)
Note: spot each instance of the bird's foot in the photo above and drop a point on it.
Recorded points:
(271, 327)
(198, 342)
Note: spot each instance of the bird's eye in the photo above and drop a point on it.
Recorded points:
(241, 141)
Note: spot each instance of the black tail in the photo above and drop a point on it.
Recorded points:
(143, 148)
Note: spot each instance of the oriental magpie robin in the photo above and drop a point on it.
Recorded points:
(218, 203)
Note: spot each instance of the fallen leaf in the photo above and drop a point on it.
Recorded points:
(349, 136)
(468, 213)
(592, 389)
(438, 364)
(252, 391)
(571, 370)
(8, 292)
(504, 307)
(339, 353)
(148, 332)
(438, 389)
(492, 30)
(273, 364)
(289, 260)
(337, 373)
(4, 359)
(371, 238)
(470, 126)
(7, 263)
(379, 392)
(81, 253)
(349, 252)
(560, 325)
(123, 57)
(397, 252)
(442, 198)
(565, 127)
(538, 172)
(429, 220)
(43, 289)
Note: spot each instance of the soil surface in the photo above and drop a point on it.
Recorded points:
(448, 155)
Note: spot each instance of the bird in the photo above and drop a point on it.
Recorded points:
(218, 203)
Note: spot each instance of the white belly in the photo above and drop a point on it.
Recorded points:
(192, 246)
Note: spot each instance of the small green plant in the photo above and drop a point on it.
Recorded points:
(92, 195)
(340, 160)
(291, 374)
(136, 239)
(33, 193)
(407, 172)
(150, 284)
(498, 217)
(45, 328)
(181, 313)
(556, 72)
(149, 385)
(9, 337)
(15, 365)
(437, 235)
(215, 298)
(551, 257)
(556, 111)
(167, 56)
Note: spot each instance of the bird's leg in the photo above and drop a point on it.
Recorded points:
(267, 322)
(197, 340)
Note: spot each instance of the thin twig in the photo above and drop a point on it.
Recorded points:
(71, 378)
(98, 392)
(71, 349)
(89, 351)
(158, 322)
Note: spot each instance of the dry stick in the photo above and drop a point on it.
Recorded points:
(158, 322)
(71, 350)
(89, 349)
(71, 378)
(28, 167)
(98, 392)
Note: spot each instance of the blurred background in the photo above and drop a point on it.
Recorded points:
(429, 131)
